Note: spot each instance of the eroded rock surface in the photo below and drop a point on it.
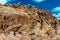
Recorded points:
(18, 22)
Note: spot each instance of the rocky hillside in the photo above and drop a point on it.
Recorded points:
(19, 22)
(59, 21)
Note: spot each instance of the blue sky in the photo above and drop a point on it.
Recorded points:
(52, 6)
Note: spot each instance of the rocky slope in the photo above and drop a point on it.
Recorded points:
(18, 22)
(59, 21)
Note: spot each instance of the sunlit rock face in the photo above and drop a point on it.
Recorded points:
(19, 22)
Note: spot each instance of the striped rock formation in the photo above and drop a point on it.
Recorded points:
(30, 23)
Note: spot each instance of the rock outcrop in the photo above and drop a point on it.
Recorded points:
(59, 22)
(20, 22)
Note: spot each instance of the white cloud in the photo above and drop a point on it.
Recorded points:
(3, 1)
(19, 3)
(29, 4)
(56, 9)
(58, 18)
(38, 1)
(33, 6)
(56, 12)
(57, 15)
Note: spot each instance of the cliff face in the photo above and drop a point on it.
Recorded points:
(59, 22)
(33, 22)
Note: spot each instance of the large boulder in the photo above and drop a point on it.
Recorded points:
(30, 23)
